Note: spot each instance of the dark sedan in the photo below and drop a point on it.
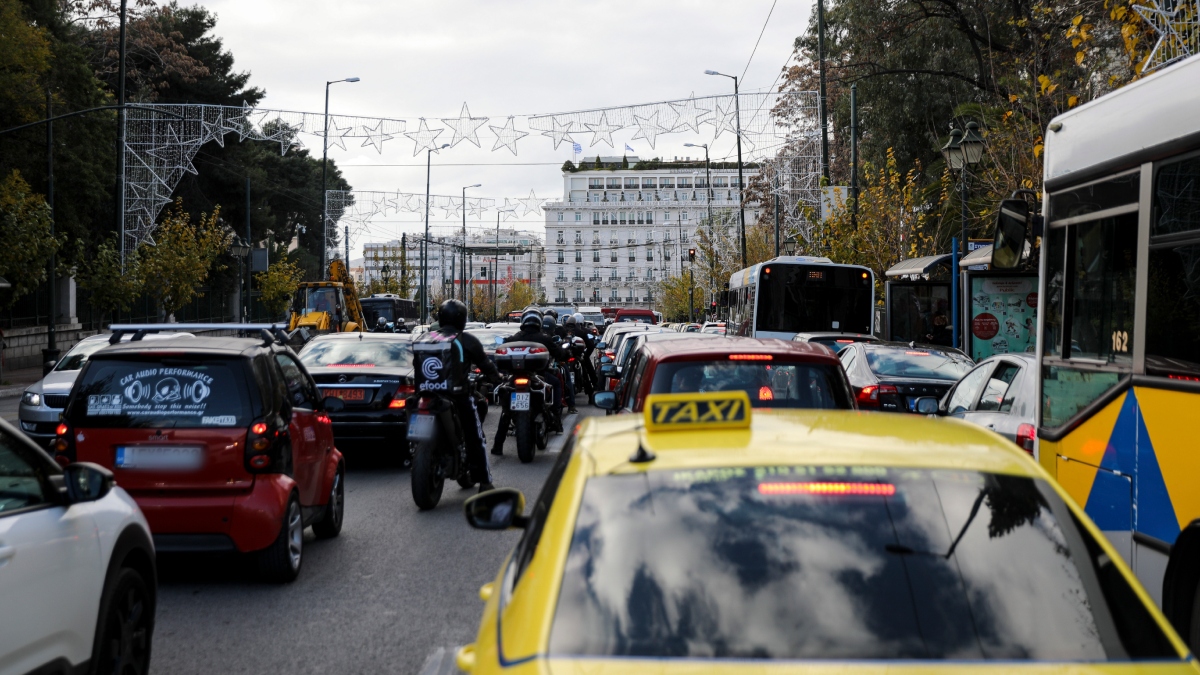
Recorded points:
(891, 376)
(373, 374)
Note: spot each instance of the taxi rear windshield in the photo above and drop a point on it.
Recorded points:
(162, 393)
(833, 562)
(769, 384)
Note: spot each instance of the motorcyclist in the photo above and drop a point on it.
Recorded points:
(381, 325)
(531, 331)
(577, 328)
(452, 321)
(557, 328)
(560, 333)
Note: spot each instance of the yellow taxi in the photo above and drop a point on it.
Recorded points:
(706, 537)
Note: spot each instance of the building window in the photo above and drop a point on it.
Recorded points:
(649, 217)
(595, 236)
(683, 216)
(578, 255)
(613, 256)
(641, 218)
(720, 182)
(667, 254)
(560, 217)
(685, 183)
(595, 183)
(622, 218)
(578, 236)
(578, 293)
(614, 294)
(595, 255)
(666, 184)
(578, 216)
(560, 236)
(649, 253)
(614, 183)
(649, 183)
(632, 254)
(578, 274)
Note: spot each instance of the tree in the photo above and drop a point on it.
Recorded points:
(519, 295)
(25, 57)
(569, 167)
(277, 285)
(25, 231)
(673, 296)
(182, 256)
(109, 288)
(624, 162)
(599, 164)
(481, 303)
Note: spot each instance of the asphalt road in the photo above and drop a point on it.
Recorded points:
(397, 592)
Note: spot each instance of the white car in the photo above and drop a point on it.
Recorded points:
(78, 583)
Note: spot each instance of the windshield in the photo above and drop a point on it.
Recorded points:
(367, 353)
(916, 362)
(768, 384)
(162, 392)
(841, 562)
(317, 299)
(374, 310)
(806, 298)
(79, 354)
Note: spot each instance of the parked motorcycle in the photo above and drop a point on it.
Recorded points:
(525, 397)
(439, 449)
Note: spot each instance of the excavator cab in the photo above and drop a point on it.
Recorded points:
(327, 306)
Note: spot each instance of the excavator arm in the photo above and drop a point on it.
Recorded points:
(354, 312)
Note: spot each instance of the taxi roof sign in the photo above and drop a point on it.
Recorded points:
(689, 412)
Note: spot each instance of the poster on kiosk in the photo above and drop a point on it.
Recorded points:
(1003, 314)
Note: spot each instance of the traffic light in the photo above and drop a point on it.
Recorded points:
(691, 255)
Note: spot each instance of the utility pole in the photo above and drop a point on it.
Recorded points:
(822, 101)
(346, 243)
(121, 135)
(777, 187)
(854, 155)
(249, 272)
(50, 353)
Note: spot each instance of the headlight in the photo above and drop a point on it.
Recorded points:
(31, 398)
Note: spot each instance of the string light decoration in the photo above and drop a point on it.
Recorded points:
(1178, 31)
(424, 137)
(507, 135)
(464, 127)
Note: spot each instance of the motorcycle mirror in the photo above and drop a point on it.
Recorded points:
(499, 509)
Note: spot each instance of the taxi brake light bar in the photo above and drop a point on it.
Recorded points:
(751, 357)
(917, 353)
(827, 488)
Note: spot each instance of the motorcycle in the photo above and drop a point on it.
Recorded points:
(525, 397)
(434, 430)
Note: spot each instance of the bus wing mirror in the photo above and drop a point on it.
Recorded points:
(1012, 226)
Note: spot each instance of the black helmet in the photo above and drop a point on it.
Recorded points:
(530, 318)
(548, 324)
(570, 320)
(452, 313)
(553, 314)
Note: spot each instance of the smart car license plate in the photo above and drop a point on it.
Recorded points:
(420, 427)
(519, 401)
(159, 457)
(347, 394)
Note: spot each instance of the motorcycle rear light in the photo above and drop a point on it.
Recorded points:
(521, 381)
(501, 351)
(61, 430)
(398, 403)
(1026, 433)
(259, 428)
(765, 394)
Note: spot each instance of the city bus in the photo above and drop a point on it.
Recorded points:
(1119, 331)
(800, 294)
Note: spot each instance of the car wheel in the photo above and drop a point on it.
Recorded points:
(330, 524)
(1193, 637)
(126, 626)
(280, 562)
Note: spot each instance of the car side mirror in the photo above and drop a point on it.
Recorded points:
(1012, 226)
(606, 400)
(601, 345)
(605, 359)
(333, 404)
(927, 405)
(86, 482)
(608, 370)
(499, 509)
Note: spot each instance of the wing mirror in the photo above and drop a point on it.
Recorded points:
(499, 509)
(86, 482)
(927, 405)
(608, 370)
(333, 404)
(606, 400)
(601, 345)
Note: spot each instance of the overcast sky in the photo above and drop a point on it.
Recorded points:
(501, 57)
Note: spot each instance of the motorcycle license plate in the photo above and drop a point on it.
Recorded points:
(519, 401)
(420, 427)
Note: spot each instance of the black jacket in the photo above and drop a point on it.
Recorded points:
(473, 354)
(556, 352)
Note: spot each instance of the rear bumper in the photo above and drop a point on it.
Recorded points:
(249, 520)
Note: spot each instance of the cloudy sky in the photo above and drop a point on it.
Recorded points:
(500, 57)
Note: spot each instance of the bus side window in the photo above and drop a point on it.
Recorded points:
(1173, 301)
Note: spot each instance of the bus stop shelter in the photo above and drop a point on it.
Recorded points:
(917, 300)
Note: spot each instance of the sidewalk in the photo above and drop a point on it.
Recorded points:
(17, 380)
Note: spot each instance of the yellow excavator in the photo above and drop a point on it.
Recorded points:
(327, 306)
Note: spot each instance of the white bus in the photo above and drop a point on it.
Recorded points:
(800, 294)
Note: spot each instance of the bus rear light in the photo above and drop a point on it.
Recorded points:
(1026, 433)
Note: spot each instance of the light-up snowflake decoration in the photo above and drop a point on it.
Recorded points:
(1178, 31)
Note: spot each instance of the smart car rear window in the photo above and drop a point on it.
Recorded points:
(769, 384)
(117, 393)
(842, 562)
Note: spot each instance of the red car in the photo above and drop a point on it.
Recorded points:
(223, 442)
(773, 373)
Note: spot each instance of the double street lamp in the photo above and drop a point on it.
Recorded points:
(425, 241)
(712, 273)
(737, 107)
(324, 172)
(960, 152)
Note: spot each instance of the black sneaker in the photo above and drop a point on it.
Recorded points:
(572, 411)
(484, 487)
(498, 450)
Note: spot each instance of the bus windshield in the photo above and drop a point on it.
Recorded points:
(801, 298)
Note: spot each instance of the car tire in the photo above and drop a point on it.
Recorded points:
(330, 524)
(126, 626)
(1193, 636)
(280, 562)
(525, 435)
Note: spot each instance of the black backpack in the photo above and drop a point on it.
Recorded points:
(438, 362)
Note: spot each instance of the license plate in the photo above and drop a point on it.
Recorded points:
(347, 394)
(420, 427)
(160, 457)
(519, 401)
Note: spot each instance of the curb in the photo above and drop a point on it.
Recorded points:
(13, 391)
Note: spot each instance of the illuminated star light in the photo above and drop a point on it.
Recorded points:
(394, 202)
(453, 207)
(337, 135)
(507, 135)
(648, 128)
(725, 117)
(475, 207)
(560, 132)
(464, 127)
(602, 131)
(690, 115)
(530, 204)
(424, 137)
(509, 210)
(1172, 44)
(376, 136)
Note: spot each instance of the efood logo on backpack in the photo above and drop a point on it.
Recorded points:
(431, 370)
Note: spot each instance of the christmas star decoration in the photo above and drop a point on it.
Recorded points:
(725, 117)
(475, 208)
(509, 209)
(395, 202)
(424, 137)
(688, 114)
(602, 131)
(1178, 33)
(530, 204)
(284, 135)
(239, 121)
(507, 136)
(453, 207)
(213, 131)
(464, 127)
(376, 136)
(173, 152)
(560, 132)
(648, 128)
(337, 135)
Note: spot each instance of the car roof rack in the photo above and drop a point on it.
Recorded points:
(270, 332)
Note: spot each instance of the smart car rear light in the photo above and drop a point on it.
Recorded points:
(264, 454)
(61, 429)
(1026, 433)
(827, 488)
(63, 445)
(258, 428)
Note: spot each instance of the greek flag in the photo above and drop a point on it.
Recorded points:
(578, 148)
(629, 148)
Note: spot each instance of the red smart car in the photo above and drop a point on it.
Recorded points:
(223, 442)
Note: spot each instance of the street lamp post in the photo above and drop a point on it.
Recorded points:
(737, 106)
(712, 270)
(324, 172)
(465, 277)
(240, 248)
(425, 240)
(961, 152)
